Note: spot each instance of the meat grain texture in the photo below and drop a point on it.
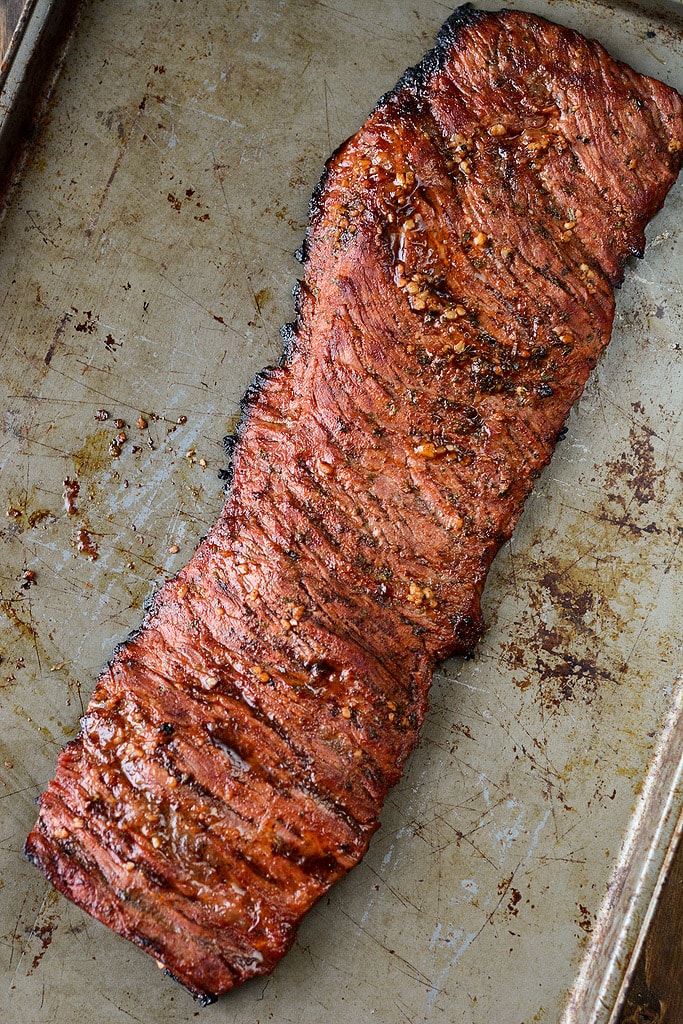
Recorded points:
(457, 291)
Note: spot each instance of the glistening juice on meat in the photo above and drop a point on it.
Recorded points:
(457, 291)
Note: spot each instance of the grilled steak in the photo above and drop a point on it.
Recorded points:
(459, 266)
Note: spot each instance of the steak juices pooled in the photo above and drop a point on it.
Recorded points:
(457, 291)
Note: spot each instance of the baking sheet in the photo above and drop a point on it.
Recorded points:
(33, 36)
(145, 268)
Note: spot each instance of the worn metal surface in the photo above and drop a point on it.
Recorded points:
(33, 37)
(145, 267)
(12, 12)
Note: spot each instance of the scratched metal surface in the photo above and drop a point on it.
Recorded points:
(145, 267)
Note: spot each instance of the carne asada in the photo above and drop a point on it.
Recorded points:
(458, 289)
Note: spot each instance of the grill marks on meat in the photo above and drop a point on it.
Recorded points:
(458, 281)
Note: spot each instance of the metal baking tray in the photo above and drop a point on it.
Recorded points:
(146, 266)
(34, 36)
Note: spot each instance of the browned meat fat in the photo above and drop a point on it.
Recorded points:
(459, 266)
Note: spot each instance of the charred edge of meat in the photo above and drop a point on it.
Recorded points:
(315, 205)
(205, 999)
(468, 630)
(226, 475)
(231, 441)
(417, 78)
(148, 609)
(288, 334)
(636, 250)
(199, 995)
(31, 857)
(253, 391)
